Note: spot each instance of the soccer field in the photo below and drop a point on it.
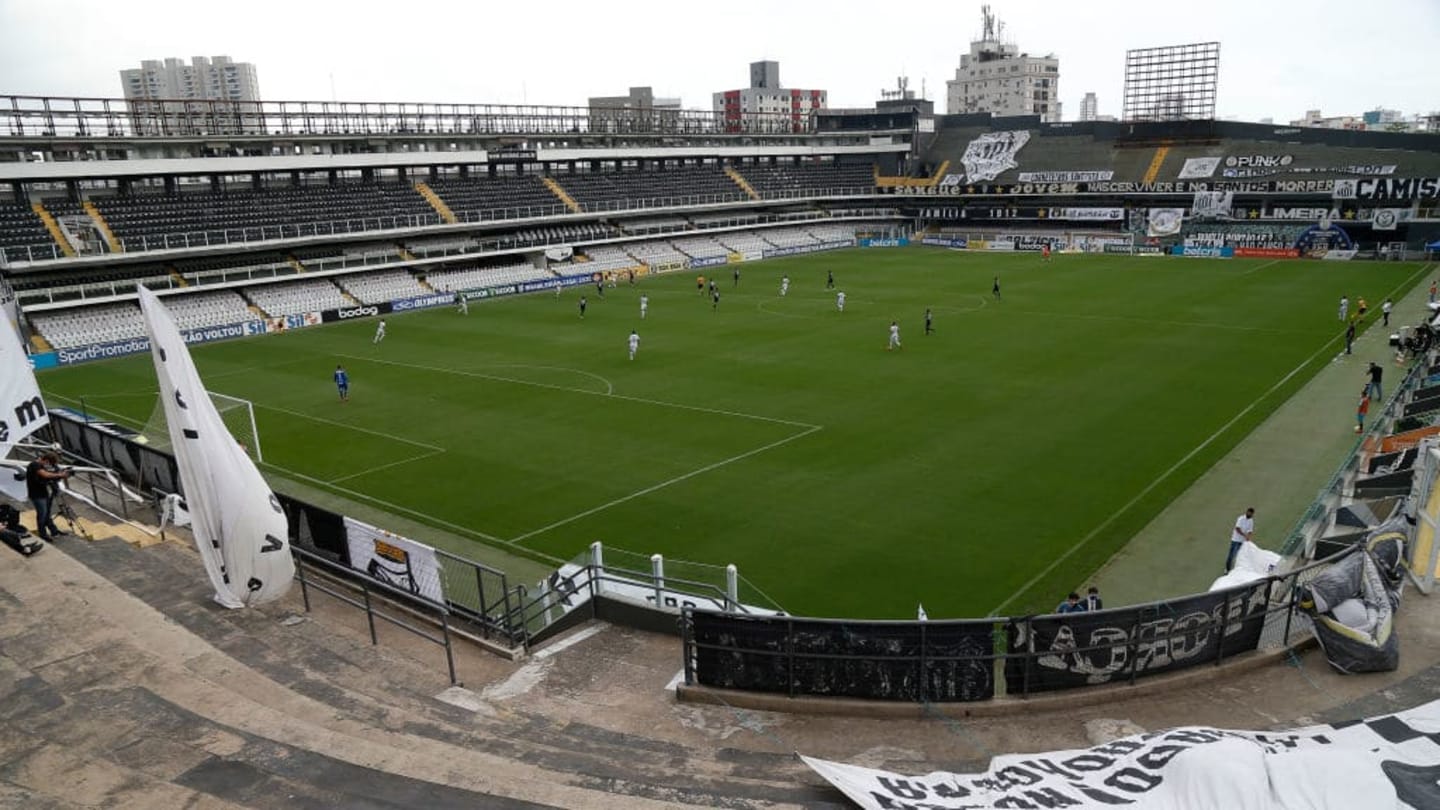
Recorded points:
(780, 435)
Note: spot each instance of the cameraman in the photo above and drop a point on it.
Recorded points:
(42, 474)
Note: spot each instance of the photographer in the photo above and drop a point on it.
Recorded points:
(40, 476)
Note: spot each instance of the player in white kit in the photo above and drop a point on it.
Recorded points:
(784, 285)
(634, 343)
(379, 332)
(840, 301)
(644, 305)
(894, 336)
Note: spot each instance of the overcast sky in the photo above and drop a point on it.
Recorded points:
(1278, 58)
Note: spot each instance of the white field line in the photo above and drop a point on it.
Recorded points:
(1177, 465)
(652, 488)
(622, 397)
(421, 457)
(1198, 324)
(360, 496)
(1260, 267)
(381, 434)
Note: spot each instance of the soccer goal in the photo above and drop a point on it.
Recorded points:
(237, 414)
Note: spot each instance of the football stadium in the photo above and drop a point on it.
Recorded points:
(453, 454)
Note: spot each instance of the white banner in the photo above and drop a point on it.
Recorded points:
(237, 521)
(1088, 214)
(1196, 168)
(1212, 204)
(1164, 221)
(992, 153)
(1392, 761)
(22, 411)
(394, 560)
(1066, 177)
(1386, 219)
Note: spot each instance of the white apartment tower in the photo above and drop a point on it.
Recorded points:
(218, 79)
(1089, 107)
(995, 77)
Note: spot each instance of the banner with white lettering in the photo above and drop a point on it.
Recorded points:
(1065, 177)
(394, 560)
(1087, 214)
(1212, 204)
(1390, 761)
(1164, 221)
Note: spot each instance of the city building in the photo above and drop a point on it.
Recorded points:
(996, 77)
(903, 99)
(767, 106)
(1376, 120)
(1089, 107)
(156, 91)
(638, 111)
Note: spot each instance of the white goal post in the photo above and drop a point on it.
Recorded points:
(238, 415)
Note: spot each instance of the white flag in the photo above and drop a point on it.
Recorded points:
(22, 411)
(238, 524)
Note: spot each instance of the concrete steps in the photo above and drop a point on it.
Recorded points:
(308, 688)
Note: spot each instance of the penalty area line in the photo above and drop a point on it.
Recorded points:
(1095, 532)
(421, 457)
(663, 484)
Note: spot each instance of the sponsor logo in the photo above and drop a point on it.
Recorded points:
(946, 241)
(709, 261)
(1338, 255)
(97, 351)
(1265, 253)
(884, 242)
(1138, 250)
(1000, 244)
(1029, 242)
(1316, 214)
(357, 312)
(799, 249)
(1065, 177)
(1385, 219)
(1204, 252)
(1260, 161)
(29, 410)
(511, 156)
(44, 360)
(1087, 214)
(992, 153)
(421, 302)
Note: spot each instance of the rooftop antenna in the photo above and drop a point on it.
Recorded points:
(987, 28)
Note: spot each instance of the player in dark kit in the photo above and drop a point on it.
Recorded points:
(737, 277)
(342, 382)
(929, 321)
(829, 279)
(714, 299)
(583, 302)
(995, 290)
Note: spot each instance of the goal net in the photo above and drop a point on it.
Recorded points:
(237, 414)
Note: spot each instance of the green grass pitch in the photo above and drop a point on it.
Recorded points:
(780, 435)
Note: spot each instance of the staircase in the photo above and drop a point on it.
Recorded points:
(404, 253)
(177, 278)
(128, 674)
(435, 202)
(103, 226)
(1155, 164)
(734, 174)
(563, 195)
(39, 343)
(295, 263)
(53, 227)
(912, 182)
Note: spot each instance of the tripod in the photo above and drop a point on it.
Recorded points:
(60, 505)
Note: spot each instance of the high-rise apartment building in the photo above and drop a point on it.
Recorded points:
(995, 77)
(640, 111)
(1089, 107)
(765, 105)
(156, 89)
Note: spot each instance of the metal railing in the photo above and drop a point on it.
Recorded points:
(98, 118)
(1300, 540)
(982, 659)
(367, 587)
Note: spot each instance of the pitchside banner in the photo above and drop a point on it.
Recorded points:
(1389, 761)
(1084, 649)
(394, 560)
